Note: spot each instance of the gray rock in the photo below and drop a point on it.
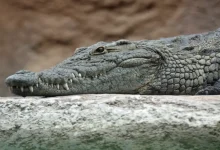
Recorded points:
(100, 122)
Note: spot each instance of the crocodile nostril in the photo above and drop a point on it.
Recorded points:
(16, 80)
(21, 78)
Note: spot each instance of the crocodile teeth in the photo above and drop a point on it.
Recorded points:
(66, 86)
(80, 75)
(58, 86)
(37, 85)
(10, 88)
(22, 89)
(73, 75)
(71, 80)
(39, 80)
(47, 84)
(31, 88)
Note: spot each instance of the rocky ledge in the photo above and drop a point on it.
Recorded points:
(110, 122)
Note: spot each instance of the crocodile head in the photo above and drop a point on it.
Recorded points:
(116, 67)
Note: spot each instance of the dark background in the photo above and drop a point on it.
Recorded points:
(36, 34)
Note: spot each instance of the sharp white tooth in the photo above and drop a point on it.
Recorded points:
(31, 88)
(10, 88)
(95, 76)
(39, 80)
(37, 85)
(71, 80)
(22, 89)
(58, 86)
(73, 75)
(47, 84)
(66, 86)
(52, 85)
(80, 75)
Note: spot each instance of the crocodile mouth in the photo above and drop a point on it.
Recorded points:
(75, 78)
(23, 88)
(41, 83)
(26, 83)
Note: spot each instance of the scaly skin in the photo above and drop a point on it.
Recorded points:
(179, 65)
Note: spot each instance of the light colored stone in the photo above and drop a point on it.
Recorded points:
(94, 121)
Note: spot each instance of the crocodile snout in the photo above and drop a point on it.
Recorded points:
(22, 81)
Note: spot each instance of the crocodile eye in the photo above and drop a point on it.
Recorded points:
(100, 50)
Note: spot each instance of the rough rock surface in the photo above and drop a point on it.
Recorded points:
(36, 34)
(109, 122)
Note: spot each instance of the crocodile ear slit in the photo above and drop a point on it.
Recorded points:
(162, 57)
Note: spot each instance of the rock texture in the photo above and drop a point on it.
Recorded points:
(37, 34)
(109, 122)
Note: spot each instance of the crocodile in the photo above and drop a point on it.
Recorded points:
(181, 65)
